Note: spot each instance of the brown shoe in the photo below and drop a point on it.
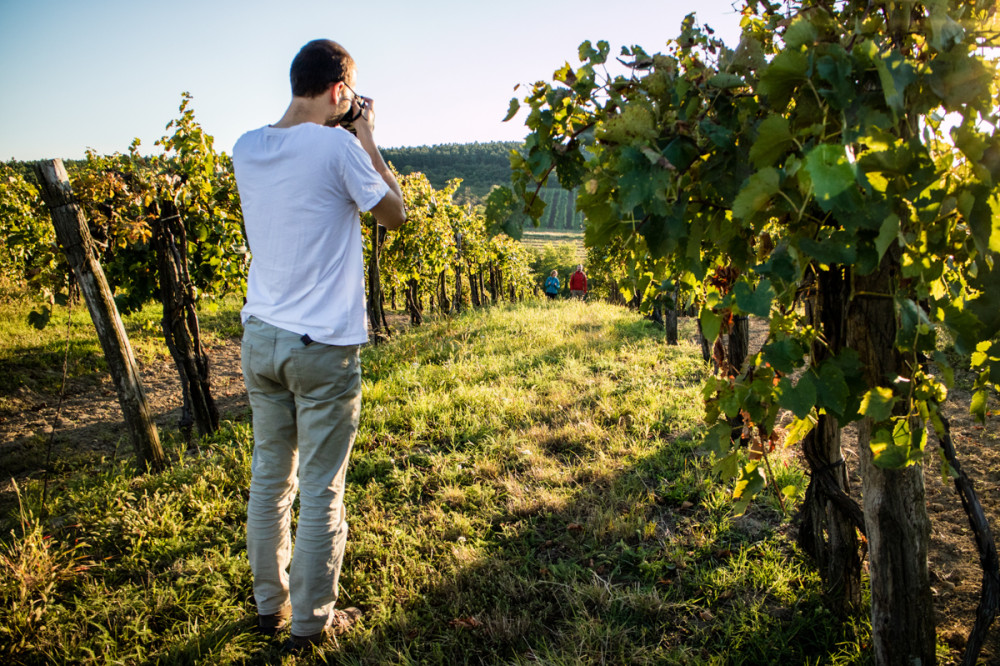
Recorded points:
(340, 622)
(274, 622)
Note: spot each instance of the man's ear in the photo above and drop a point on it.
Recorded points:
(336, 92)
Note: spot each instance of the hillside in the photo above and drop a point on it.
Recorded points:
(479, 165)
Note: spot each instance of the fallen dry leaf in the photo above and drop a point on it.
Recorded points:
(467, 622)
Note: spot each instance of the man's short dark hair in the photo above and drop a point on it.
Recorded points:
(318, 65)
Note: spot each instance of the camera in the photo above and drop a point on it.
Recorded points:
(358, 106)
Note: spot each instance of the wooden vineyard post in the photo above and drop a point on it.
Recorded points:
(76, 242)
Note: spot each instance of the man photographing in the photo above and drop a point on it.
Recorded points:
(302, 183)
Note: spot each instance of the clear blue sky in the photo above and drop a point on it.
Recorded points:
(98, 74)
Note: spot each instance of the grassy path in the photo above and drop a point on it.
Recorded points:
(526, 487)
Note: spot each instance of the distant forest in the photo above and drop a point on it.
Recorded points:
(480, 166)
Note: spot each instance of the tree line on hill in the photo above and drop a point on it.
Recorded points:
(481, 166)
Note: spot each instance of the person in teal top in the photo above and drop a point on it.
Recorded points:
(552, 285)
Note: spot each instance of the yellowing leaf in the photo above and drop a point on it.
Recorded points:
(877, 403)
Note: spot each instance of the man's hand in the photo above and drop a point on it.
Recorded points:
(366, 119)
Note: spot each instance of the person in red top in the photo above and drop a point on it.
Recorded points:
(578, 283)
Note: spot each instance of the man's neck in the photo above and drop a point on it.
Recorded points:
(303, 110)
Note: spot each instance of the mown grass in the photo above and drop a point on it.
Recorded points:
(526, 487)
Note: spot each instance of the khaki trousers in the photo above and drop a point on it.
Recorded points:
(306, 400)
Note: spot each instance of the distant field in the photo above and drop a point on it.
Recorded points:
(536, 238)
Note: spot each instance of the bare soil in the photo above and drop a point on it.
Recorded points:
(89, 427)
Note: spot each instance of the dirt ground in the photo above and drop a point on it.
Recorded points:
(90, 427)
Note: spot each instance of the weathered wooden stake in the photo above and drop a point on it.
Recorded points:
(74, 237)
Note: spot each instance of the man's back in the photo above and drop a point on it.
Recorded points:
(301, 188)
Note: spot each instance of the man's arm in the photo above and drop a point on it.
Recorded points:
(389, 212)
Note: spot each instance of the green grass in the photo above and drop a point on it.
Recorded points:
(526, 487)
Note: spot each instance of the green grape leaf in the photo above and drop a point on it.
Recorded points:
(888, 232)
(663, 233)
(969, 141)
(773, 139)
(832, 391)
(946, 33)
(838, 248)
(886, 454)
(719, 439)
(799, 428)
(727, 467)
(783, 75)
(974, 206)
(877, 403)
(913, 323)
(756, 302)
(681, 152)
(513, 228)
(750, 482)
(985, 307)
(782, 264)
(903, 446)
(711, 324)
(800, 33)
(798, 399)
(960, 79)
(783, 355)
(835, 68)
(731, 399)
(756, 192)
(944, 367)
(512, 110)
(830, 171)
(602, 225)
(763, 296)
(596, 57)
(895, 74)
(948, 473)
(725, 81)
(639, 182)
(717, 134)
(977, 406)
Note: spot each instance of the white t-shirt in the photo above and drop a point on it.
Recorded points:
(301, 188)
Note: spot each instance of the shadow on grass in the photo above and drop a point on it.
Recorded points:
(570, 586)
